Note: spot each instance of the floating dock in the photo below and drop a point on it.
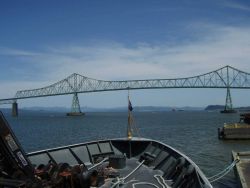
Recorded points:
(236, 131)
(242, 168)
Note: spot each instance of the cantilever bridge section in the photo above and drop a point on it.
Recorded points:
(226, 77)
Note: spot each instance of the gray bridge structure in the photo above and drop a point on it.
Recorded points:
(226, 78)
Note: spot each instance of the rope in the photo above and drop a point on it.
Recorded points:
(121, 180)
(133, 125)
(159, 179)
(98, 164)
(134, 170)
(163, 183)
(224, 172)
(144, 183)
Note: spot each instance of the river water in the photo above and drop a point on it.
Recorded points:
(193, 133)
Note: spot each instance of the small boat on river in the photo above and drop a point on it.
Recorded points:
(128, 162)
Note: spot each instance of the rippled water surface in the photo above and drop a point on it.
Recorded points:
(193, 133)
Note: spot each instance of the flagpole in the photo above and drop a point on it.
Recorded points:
(129, 132)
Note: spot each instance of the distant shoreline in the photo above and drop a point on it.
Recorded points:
(124, 109)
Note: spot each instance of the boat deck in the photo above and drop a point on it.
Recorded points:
(150, 164)
(242, 169)
(142, 177)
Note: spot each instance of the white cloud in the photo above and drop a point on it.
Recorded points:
(237, 5)
(111, 61)
(16, 52)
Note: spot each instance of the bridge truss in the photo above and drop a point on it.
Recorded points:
(225, 77)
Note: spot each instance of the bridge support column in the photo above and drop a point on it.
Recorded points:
(75, 108)
(229, 105)
(14, 109)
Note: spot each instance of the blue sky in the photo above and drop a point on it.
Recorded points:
(44, 41)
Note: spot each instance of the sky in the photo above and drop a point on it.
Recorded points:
(44, 41)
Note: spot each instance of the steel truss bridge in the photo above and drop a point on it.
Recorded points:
(226, 77)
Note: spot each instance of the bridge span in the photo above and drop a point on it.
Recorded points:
(226, 77)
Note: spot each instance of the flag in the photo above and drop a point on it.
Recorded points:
(130, 108)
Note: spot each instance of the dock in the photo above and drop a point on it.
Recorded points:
(242, 168)
(236, 131)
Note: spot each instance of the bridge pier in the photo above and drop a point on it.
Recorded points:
(75, 108)
(14, 109)
(229, 105)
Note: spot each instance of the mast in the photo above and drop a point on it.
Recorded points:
(130, 108)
